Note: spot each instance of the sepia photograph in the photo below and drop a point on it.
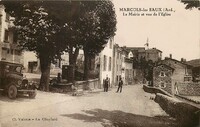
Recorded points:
(99, 63)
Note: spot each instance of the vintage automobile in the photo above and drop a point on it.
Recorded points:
(12, 81)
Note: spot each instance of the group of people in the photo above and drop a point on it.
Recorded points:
(106, 84)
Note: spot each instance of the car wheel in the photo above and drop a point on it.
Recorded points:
(32, 94)
(12, 91)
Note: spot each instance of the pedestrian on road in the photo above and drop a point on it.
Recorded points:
(120, 85)
(176, 88)
(106, 83)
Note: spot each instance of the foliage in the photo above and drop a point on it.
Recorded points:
(49, 27)
(191, 4)
(145, 66)
(39, 30)
(98, 24)
(36, 28)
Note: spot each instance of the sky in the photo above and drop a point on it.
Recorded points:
(178, 34)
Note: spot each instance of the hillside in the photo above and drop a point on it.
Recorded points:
(195, 62)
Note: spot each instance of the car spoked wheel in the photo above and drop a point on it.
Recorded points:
(12, 91)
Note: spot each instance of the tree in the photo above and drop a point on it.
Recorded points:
(49, 28)
(40, 31)
(191, 4)
(98, 24)
(90, 25)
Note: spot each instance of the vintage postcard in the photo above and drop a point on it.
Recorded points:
(100, 63)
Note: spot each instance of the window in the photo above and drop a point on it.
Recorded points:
(0, 19)
(18, 52)
(15, 37)
(162, 85)
(12, 51)
(6, 36)
(162, 74)
(110, 43)
(7, 17)
(8, 51)
(58, 63)
(109, 67)
(187, 79)
(104, 62)
(4, 53)
(117, 55)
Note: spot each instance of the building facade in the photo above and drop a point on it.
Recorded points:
(117, 64)
(153, 54)
(9, 50)
(127, 66)
(170, 73)
(162, 77)
(106, 62)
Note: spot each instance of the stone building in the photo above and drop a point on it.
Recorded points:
(169, 73)
(182, 71)
(162, 77)
(9, 50)
(153, 54)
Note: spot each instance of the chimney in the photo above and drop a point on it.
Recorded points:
(183, 60)
(170, 56)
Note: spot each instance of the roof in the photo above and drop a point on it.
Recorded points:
(153, 50)
(169, 67)
(135, 48)
(166, 58)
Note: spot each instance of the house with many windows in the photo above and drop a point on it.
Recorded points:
(9, 50)
(106, 62)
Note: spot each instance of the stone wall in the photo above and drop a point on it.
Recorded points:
(189, 89)
(80, 85)
(187, 115)
(155, 90)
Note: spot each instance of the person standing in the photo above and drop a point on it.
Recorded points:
(120, 85)
(106, 83)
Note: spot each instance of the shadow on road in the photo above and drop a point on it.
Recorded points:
(118, 118)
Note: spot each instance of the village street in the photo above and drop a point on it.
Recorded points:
(131, 108)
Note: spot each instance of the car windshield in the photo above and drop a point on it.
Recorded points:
(15, 69)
